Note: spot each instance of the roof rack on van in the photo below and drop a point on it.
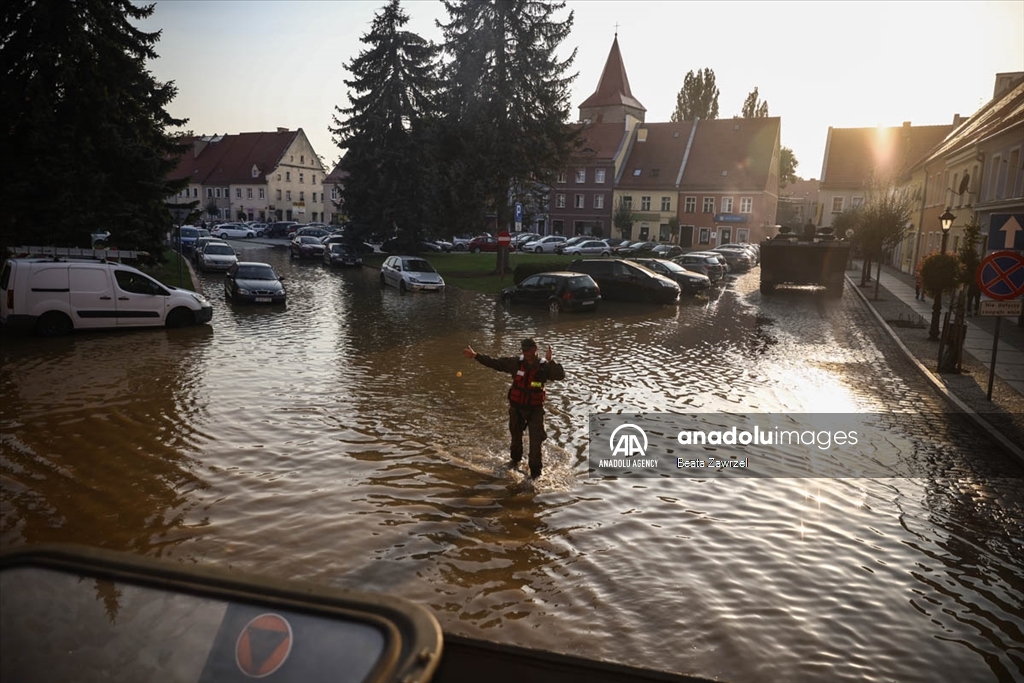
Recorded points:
(102, 254)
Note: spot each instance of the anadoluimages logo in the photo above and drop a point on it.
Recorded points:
(631, 443)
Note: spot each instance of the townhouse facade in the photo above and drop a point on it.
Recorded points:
(698, 183)
(252, 176)
(977, 172)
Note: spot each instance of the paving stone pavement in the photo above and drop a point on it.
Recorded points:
(907, 320)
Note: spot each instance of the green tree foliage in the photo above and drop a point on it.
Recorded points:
(84, 125)
(787, 167)
(392, 97)
(506, 106)
(940, 273)
(698, 98)
(968, 252)
(623, 218)
(752, 108)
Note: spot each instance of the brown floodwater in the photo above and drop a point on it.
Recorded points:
(332, 441)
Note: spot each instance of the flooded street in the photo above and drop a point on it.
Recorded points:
(332, 441)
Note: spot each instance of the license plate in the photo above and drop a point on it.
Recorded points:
(263, 299)
(588, 303)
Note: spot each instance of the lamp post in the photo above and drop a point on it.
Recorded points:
(946, 221)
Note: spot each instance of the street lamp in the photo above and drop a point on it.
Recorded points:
(946, 221)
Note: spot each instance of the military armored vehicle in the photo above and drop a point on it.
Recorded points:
(812, 257)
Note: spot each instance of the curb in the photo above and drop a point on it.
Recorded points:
(937, 383)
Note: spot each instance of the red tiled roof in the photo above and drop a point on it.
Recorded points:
(658, 158)
(613, 88)
(856, 155)
(601, 140)
(230, 158)
(741, 148)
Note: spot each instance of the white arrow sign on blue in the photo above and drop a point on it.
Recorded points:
(1006, 231)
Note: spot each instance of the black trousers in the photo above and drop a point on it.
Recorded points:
(521, 418)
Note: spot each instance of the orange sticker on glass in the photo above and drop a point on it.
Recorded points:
(263, 645)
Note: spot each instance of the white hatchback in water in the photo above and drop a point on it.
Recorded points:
(410, 273)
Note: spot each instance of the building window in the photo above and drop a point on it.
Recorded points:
(837, 204)
(645, 203)
(238, 193)
(627, 202)
(599, 175)
(581, 175)
(856, 201)
(302, 196)
(580, 201)
(313, 179)
(288, 175)
(598, 201)
(248, 193)
(705, 236)
(288, 195)
(726, 204)
(314, 196)
(279, 177)
(261, 193)
(559, 201)
(218, 192)
(690, 205)
(195, 192)
(334, 193)
(255, 172)
(279, 195)
(1011, 175)
(302, 178)
(302, 158)
(666, 203)
(709, 205)
(746, 205)
(561, 178)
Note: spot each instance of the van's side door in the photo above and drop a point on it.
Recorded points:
(140, 300)
(93, 303)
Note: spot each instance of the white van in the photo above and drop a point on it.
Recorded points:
(55, 296)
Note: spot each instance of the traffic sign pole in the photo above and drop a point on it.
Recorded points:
(1000, 276)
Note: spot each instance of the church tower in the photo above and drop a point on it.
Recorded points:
(613, 101)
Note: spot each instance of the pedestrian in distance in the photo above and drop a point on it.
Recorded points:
(525, 397)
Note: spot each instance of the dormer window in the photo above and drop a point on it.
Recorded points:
(255, 171)
(655, 172)
(637, 172)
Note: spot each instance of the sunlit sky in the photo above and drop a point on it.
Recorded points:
(244, 66)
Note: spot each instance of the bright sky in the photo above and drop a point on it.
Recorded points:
(244, 65)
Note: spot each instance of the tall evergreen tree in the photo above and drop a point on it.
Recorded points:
(85, 146)
(753, 108)
(507, 103)
(698, 98)
(393, 91)
(787, 167)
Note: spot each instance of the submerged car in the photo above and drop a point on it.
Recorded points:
(690, 283)
(340, 254)
(558, 291)
(252, 282)
(410, 273)
(216, 256)
(621, 280)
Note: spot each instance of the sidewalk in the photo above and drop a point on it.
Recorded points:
(908, 319)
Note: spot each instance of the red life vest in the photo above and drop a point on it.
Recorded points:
(526, 390)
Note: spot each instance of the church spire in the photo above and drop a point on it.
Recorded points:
(613, 99)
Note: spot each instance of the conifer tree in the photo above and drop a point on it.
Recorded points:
(698, 98)
(85, 145)
(754, 107)
(392, 97)
(506, 106)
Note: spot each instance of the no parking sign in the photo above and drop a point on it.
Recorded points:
(1001, 275)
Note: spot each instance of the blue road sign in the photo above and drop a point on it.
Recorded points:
(1006, 231)
(519, 212)
(1001, 275)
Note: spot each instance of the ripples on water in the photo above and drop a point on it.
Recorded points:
(331, 441)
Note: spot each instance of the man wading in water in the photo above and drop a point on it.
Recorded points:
(525, 397)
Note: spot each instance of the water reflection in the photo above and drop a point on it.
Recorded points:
(332, 440)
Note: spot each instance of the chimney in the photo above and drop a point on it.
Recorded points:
(281, 129)
(1005, 81)
(957, 120)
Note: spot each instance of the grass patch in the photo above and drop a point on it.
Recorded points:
(478, 272)
(168, 271)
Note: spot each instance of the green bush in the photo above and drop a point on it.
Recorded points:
(940, 273)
